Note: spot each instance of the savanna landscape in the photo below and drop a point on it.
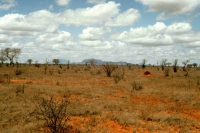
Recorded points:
(72, 98)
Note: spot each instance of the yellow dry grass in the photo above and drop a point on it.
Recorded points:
(98, 104)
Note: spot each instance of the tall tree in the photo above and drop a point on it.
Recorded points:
(163, 64)
(56, 61)
(11, 54)
(175, 65)
(29, 61)
(2, 56)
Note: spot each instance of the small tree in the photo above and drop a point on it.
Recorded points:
(53, 113)
(109, 68)
(143, 63)
(2, 57)
(163, 64)
(29, 61)
(185, 63)
(11, 54)
(68, 64)
(175, 65)
(56, 61)
(195, 64)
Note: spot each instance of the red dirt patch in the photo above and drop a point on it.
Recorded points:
(20, 81)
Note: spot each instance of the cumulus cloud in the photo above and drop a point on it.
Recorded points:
(96, 15)
(45, 21)
(54, 38)
(96, 1)
(5, 38)
(17, 22)
(92, 33)
(7, 4)
(126, 18)
(179, 28)
(166, 8)
(62, 2)
(159, 35)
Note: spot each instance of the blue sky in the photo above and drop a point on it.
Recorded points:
(118, 30)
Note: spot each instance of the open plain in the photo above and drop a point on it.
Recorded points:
(126, 102)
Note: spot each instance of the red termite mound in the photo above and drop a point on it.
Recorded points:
(147, 73)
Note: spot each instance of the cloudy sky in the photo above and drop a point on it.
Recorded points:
(118, 30)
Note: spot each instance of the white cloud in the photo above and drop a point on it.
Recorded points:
(96, 1)
(5, 38)
(7, 4)
(179, 28)
(170, 7)
(127, 18)
(62, 2)
(92, 33)
(59, 37)
(96, 15)
(17, 22)
(160, 35)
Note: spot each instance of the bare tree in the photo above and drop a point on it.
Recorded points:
(11, 54)
(92, 63)
(185, 62)
(56, 61)
(109, 68)
(163, 63)
(2, 56)
(175, 65)
(143, 63)
(29, 61)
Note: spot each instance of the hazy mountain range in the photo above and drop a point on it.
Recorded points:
(96, 62)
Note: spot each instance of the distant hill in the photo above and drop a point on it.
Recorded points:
(96, 62)
(100, 62)
(63, 61)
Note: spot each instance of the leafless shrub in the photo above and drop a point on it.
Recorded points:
(19, 89)
(136, 85)
(51, 71)
(53, 113)
(186, 73)
(18, 71)
(119, 75)
(98, 72)
(109, 68)
(59, 71)
(167, 72)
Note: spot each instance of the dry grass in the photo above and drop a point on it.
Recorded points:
(98, 103)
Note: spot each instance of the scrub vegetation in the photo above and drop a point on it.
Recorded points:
(87, 99)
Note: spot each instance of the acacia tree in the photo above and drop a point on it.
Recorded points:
(11, 54)
(195, 64)
(29, 61)
(56, 61)
(185, 62)
(2, 56)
